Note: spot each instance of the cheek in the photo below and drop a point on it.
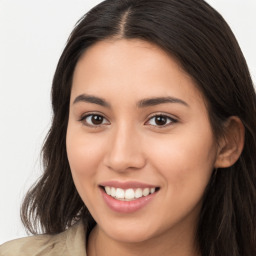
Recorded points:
(83, 156)
(185, 166)
(83, 151)
(185, 161)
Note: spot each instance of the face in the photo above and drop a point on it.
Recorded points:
(139, 141)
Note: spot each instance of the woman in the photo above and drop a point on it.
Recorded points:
(153, 141)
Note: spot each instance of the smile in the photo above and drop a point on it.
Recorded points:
(129, 194)
(127, 197)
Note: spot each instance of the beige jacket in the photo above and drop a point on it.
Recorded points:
(69, 243)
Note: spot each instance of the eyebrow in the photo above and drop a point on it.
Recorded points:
(141, 104)
(91, 99)
(160, 100)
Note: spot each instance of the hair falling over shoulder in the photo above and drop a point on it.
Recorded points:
(204, 45)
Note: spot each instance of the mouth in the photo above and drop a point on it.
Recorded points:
(129, 194)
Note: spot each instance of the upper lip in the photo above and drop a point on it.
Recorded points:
(126, 185)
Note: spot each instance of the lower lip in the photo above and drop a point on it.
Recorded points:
(127, 206)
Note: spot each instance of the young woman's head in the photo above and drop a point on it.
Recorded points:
(153, 98)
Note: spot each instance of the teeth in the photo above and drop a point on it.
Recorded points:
(138, 193)
(119, 193)
(145, 192)
(128, 194)
(113, 192)
(108, 190)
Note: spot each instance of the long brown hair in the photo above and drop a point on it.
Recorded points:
(202, 42)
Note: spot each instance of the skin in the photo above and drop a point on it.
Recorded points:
(129, 145)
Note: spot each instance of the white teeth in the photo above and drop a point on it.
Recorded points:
(138, 193)
(152, 190)
(145, 192)
(128, 194)
(113, 192)
(119, 193)
(108, 190)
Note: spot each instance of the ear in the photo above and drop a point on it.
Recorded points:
(231, 144)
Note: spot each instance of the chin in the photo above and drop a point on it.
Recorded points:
(130, 232)
(136, 236)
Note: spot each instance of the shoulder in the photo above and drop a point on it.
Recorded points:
(67, 243)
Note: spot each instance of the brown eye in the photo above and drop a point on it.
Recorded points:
(94, 120)
(161, 120)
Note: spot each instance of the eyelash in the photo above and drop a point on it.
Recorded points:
(168, 118)
(83, 120)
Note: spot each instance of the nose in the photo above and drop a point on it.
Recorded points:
(125, 151)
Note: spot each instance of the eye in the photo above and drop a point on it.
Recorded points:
(161, 120)
(94, 120)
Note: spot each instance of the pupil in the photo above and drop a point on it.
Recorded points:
(97, 119)
(160, 120)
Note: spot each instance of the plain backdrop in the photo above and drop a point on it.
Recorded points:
(32, 37)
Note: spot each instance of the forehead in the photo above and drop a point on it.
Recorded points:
(131, 67)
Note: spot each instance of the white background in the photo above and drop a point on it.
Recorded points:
(32, 37)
